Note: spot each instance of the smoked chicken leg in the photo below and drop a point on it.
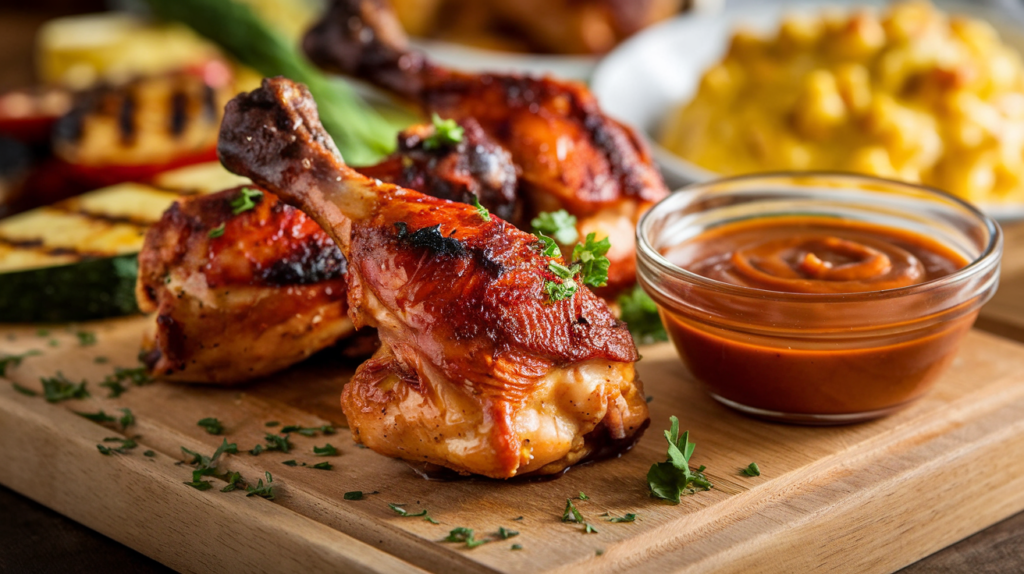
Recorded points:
(479, 370)
(569, 154)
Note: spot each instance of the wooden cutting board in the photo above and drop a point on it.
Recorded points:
(864, 498)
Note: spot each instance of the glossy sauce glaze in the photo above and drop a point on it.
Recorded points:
(747, 356)
(816, 255)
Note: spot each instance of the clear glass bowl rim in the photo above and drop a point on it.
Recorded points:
(646, 253)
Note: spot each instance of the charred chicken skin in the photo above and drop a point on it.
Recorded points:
(478, 370)
(568, 153)
(238, 295)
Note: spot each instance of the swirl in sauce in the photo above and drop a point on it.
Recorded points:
(816, 255)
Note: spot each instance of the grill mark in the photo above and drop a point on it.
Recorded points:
(126, 119)
(142, 224)
(179, 117)
(36, 246)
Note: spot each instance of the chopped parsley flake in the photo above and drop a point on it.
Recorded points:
(212, 425)
(272, 424)
(216, 232)
(326, 450)
(99, 417)
(548, 246)
(308, 431)
(517, 547)
(100, 360)
(446, 132)
(86, 338)
(256, 450)
(752, 470)
(58, 388)
(245, 200)
(403, 512)
(234, 481)
(627, 518)
(354, 495)
(669, 479)
(278, 442)
(583, 496)
(462, 534)
(261, 490)
(14, 361)
(149, 453)
(505, 534)
(323, 465)
(127, 418)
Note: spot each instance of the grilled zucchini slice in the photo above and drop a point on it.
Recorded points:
(76, 260)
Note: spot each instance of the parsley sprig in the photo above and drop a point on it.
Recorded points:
(446, 133)
(560, 225)
(403, 512)
(207, 465)
(261, 490)
(589, 264)
(752, 470)
(484, 213)
(669, 479)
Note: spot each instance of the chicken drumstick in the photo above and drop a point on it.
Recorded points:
(479, 370)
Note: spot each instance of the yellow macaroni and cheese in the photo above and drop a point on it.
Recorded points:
(911, 94)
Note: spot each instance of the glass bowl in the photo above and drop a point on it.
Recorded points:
(817, 358)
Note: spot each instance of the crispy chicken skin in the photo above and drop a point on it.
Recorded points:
(568, 153)
(265, 294)
(477, 370)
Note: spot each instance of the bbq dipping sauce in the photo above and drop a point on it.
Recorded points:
(817, 298)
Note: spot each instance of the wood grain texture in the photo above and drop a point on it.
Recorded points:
(873, 497)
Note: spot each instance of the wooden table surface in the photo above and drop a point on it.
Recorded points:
(34, 538)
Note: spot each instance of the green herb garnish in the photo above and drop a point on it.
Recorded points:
(212, 425)
(271, 424)
(627, 518)
(583, 496)
(256, 450)
(403, 512)
(462, 534)
(640, 314)
(308, 431)
(100, 360)
(446, 132)
(149, 454)
(14, 361)
(484, 213)
(290, 463)
(548, 246)
(517, 547)
(86, 338)
(260, 490)
(323, 465)
(98, 417)
(127, 418)
(505, 534)
(752, 470)
(326, 450)
(354, 495)
(58, 388)
(217, 231)
(244, 201)
(593, 265)
(558, 224)
(116, 388)
(278, 442)
(234, 481)
(669, 479)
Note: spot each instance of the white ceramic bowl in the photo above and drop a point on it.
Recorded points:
(648, 76)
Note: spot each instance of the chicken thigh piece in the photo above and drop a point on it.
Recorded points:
(569, 154)
(240, 286)
(479, 369)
